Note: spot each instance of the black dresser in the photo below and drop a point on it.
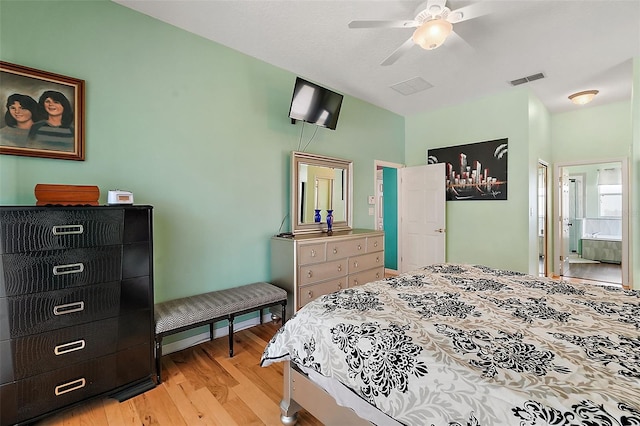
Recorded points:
(76, 306)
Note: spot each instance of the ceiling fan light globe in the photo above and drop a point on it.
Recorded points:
(432, 33)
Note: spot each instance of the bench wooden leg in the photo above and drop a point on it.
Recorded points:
(284, 312)
(211, 331)
(231, 317)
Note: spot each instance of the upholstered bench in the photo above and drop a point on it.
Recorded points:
(178, 315)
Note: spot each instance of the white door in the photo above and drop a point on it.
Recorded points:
(564, 222)
(422, 216)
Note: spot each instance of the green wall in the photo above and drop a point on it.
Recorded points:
(594, 133)
(197, 130)
(503, 234)
(539, 152)
(482, 231)
(201, 132)
(634, 214)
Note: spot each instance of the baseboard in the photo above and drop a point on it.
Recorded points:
(179, 345)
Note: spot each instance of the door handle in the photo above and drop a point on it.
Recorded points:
(440, 230)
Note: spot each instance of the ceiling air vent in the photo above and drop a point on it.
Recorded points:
(528, 79)
(412, 86)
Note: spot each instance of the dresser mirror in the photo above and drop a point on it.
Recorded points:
(318, 184)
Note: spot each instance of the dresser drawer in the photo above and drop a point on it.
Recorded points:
(366, 276)
(44, 352)
(23, 273)
(40, 312)
(341, 249)
(52, 229)
(313, 291)
(133, 364)
(313, 273)
(45, 392)
(366, 261)
(311, 253)
(375, 244)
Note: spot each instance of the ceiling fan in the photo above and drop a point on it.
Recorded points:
(433, 22)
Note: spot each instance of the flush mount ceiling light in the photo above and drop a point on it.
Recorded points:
(432, 33)
(584, 97)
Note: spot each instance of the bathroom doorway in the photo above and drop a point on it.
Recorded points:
(593, 242)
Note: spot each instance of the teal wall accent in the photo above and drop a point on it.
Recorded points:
(390, 217)
(197, 130)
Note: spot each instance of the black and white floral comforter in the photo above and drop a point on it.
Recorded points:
(471, 345)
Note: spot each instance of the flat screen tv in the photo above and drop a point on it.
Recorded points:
(315, 104)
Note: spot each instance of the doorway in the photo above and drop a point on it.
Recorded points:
(592, 208)
(418, 239)
(385, 211)
(543, 222)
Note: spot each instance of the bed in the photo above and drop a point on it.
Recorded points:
(466, 345)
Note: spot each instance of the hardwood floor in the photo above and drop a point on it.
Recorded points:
(201, 386)
(603, 272)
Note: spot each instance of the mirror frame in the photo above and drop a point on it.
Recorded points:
(297, 158)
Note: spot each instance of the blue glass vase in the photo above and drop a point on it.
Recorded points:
(316, 217)
(329, 221)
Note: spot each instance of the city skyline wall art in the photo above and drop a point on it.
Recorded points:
(475, 171)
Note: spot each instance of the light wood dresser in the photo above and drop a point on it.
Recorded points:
(311, 265)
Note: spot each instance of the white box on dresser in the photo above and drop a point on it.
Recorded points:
(311, 265)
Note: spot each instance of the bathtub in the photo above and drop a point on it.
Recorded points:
(602, 247)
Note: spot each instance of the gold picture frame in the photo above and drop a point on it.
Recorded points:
(43, 113)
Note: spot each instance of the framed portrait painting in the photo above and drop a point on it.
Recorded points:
(43, 113)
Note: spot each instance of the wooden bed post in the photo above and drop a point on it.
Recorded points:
(288, 407)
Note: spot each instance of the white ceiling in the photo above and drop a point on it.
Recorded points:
(577, 44)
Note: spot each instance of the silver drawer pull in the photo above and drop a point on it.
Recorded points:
(69, 347)
(375, 244)
(377, 274)
(335, 250)
(313, 253)
(68, 308)
(377, 259)
(355, 282)
(72, 268)
(70, 386)
(339, 286)
(309, 274)
(339, 268)
(355, 264)
(310, 294)
(67, 229)
(359, 247)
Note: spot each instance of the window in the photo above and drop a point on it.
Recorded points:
(610, 197)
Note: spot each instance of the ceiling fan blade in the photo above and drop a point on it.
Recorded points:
(404, 47)
(383, 24)
(469, 12)
(455, 39)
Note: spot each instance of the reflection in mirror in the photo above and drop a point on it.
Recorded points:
(319, 184)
